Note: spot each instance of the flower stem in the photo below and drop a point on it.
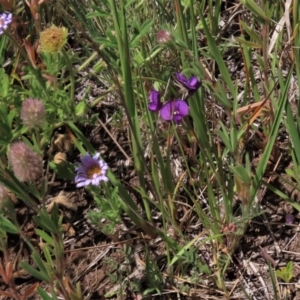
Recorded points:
(72, 79)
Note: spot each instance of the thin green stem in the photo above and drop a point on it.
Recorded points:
(72, 79)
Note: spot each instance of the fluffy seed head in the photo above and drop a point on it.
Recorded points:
(33, 113)
(53, 39)
(26, 164)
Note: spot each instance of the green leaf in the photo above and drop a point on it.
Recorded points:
(286, 273)
(45, 295)
(7, 225)
(260, 170)
(255, 37)
(224, 136)
(81, 108)
(241, 173)
(46, 237)
(144, 30)
(248, 44)
(37, 274)
(293, 131)
(44, 221)
(64, 170)
(40, 263)
(47, 254)
(255, 9)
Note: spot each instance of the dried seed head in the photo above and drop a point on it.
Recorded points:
(62, 199)
(3, 195)
(53, 39)
(26, 164)
(60, 157)
(33, 113)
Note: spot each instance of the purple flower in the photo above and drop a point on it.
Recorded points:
(91, 171)
(5, 20)
(289, 219)
(26, 164)
(174, 110)
(154, 104)
(192, 84)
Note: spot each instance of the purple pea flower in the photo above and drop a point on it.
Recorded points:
(174, 110)
(192, 84)
(154, 104)
(91, 171)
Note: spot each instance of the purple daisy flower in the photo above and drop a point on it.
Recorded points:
(5, 20)
(174, 110)
(192, 84)
(154, 104)
(91, 171)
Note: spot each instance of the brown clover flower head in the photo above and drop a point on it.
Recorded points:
(3, 194)
(53, 39)
(26, 164)
(33, 113)
(163, 36)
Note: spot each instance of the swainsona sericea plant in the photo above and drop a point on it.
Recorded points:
(5, 20)
(92, 170)
(174, 110)
(154, 101)
(192, 84)
(33, 113)
(26, 164)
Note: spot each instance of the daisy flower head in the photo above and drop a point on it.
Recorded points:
(92, 170)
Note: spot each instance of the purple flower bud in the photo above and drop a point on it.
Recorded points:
(154, 104)
(26, 164)
(192, 84)
(33, 113)
(5, 20)
(163, 36)
(174, 110)
(289, 219)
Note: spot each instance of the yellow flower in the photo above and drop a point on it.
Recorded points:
(53, 39)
